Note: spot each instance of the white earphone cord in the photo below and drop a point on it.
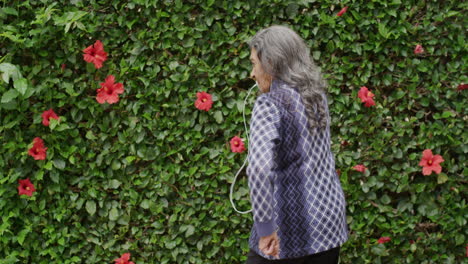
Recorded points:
(245, 161)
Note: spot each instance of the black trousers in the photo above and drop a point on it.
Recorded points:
(326, 257)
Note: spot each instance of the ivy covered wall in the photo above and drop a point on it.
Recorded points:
(129, 163)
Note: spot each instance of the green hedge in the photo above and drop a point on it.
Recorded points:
(150, 174)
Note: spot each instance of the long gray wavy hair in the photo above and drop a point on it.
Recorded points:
(284, 55)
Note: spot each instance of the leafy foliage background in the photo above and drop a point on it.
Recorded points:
(150, 175)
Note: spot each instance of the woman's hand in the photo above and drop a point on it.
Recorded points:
(270, 245)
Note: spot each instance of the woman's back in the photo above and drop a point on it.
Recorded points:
(306, 203)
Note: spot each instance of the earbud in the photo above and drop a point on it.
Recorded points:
(245, 161)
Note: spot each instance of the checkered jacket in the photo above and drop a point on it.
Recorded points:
(294, 187)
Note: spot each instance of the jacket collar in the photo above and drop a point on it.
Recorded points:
(276, 85)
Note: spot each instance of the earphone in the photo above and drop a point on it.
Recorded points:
(245, 161)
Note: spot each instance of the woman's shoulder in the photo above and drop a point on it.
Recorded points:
(280, 86)
(281, 94)
(266, 99)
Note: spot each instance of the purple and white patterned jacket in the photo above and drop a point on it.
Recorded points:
(294, 187)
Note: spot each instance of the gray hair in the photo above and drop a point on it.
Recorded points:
(284, 55)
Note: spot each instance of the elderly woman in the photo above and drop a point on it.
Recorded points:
(298, 203)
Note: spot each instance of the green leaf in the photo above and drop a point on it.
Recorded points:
(69, 18)
(379, 250)
(385, 199)
(383, 30)
(441, 178)
(90, 207)
(21, 85)
(460, 220)
(129, 159)
(48, 165)
(114, 184)
(9, 71)
(170, 244)
(10, 11)
(240, 105)
(116, 165)
(62, 126)
(53, 123)
(113, 214)
(190, 230)
(10, 95)
(292, 10)
(144, 204)
(316, 55)
(39, 175)
(59, 163)
(218, 117)
(90, 135)
(459, 239)
(189, 43)
(447, 114)
(22, 235)
(124, 219)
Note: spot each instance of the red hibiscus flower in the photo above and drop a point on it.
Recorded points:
(237, 145)
(124, 259)
(430, 162)
(338, 172)
(418, 49)
(204, 101)
(38, 151)
(26, 187)
(95, 54)
(383, 240)
(366, 96)
(109, 91)
(342, 11)
(47, 115)
(462, 86)
(63, 66)
(360, 168)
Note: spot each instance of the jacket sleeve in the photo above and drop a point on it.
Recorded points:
(264, 139)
